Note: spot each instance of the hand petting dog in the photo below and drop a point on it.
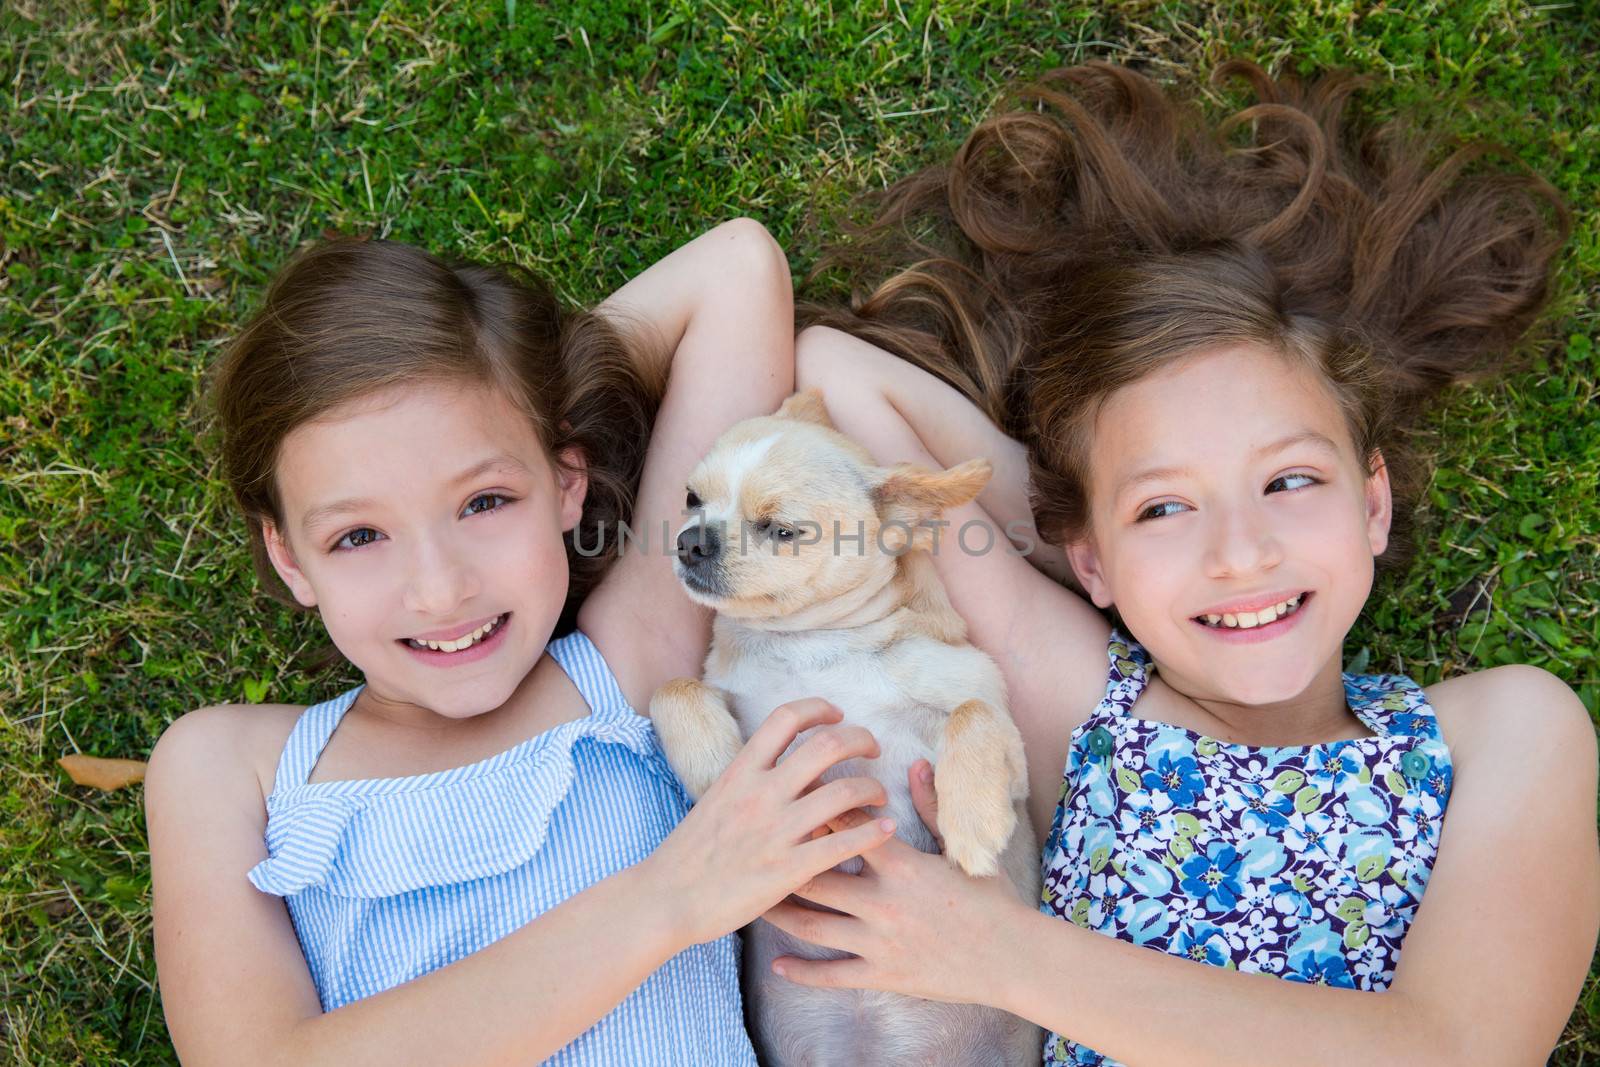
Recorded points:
(764, 809)
(916, 924)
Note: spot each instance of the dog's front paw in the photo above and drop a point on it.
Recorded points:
(698, 734)
(973, 785)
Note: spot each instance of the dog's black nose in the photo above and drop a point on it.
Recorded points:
(698, 544)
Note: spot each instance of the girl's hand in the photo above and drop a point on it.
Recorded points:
(750, 840)
(916, 924)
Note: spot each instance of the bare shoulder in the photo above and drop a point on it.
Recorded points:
(1521, 719)
(224, 747)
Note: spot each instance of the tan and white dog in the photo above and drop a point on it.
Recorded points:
(817, 563)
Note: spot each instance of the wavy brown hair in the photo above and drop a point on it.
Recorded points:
(348, 317)
(1097, 228)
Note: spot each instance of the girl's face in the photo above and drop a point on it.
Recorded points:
(425, 524)
(1232, 523)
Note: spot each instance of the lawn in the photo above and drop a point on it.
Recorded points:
(159, 160)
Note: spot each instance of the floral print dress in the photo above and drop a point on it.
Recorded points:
(1303, 862)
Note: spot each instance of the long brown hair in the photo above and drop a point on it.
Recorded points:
(348, 317)
(1097, 228)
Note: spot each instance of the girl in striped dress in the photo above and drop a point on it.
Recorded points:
(479, 854)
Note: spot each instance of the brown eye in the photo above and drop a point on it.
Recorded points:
(1161, 510)
(1288, 483)
(358, 538)
(692, 501)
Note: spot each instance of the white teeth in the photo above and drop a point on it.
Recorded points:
(465, 641)
(1248, 620)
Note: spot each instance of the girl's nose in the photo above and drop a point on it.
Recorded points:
(1241, 543)
(441, 579)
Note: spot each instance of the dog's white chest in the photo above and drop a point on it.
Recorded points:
(867, 684)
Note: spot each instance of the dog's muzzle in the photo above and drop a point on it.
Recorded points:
(699, 559)
(699, 545)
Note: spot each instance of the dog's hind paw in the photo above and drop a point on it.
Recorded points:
(973, 784)
(974, 841)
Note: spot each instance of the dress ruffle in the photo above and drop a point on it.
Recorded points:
(381, 837)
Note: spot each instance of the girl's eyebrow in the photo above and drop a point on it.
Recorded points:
(499, 461)
(1304, 437)
(325, 512)
(1155, 474)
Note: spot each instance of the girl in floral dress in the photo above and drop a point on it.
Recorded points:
(1202, 348)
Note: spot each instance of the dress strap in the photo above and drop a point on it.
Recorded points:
(588, 670)
(308, 738)
(1391, 705)
(1127, 673)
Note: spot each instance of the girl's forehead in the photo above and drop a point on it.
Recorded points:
(1213, 407)
(406, 437)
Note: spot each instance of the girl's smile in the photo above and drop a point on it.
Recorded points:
(457, 645)
(1254, 619)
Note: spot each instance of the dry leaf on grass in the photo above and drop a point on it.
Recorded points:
(102, 773)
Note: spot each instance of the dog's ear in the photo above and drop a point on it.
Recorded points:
(806, 407)
(910, 494)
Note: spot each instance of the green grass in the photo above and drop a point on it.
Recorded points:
(159, 160)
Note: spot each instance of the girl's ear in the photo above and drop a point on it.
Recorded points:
(1380, 504)
(283, 561)
(1085, 560)
(572, 477)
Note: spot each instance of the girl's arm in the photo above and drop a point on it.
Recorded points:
(1490, 969)
(723, 306)
(236, 989)
(1050, 644)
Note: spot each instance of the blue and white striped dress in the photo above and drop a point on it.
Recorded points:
(387, 879)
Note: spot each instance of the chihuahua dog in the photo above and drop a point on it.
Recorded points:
(818, 565)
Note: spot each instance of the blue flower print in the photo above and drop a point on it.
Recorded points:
(1149, 818)
(1316, 955)
(1259, 927)
(1415, 822)
(1204, 943)
(1317, 833)
(1262, 810)
(1087, 1057)
(1213, 876)
(1329, 968)
(1263, 856)
(1288, 899)
(1178, 778)
(1366, 852)
(1143, 920)
(1366, 805)
(1406, 722)
(1371, 969)
(1147, 877)
(1436, 783)
(1331, 767)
